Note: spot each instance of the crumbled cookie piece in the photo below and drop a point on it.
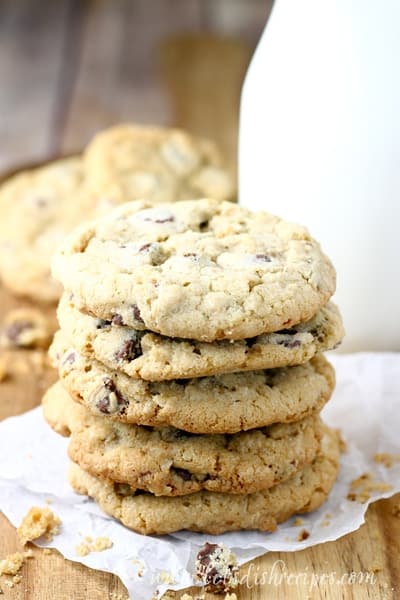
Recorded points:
(38, 521)
(216, 568)
(90, 545)
(12, 565)
(26, 328)
(342, 443)
(298, 522)
(387, 459)
(362, 487)
(303, 535)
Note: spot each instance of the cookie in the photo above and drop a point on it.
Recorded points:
(203, 270)
(153, 357)
(38, 207)
(220, 404)
(26, 328)
(214, 512)
(130, 162)
(171, 462)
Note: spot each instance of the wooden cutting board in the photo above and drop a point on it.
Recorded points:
(372, 551)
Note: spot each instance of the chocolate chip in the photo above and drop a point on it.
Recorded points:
(203, 225)
(182, 473)
(170, 219)
(70, 358)
(108, 399)
(197, 351)
(14, 330)
(102, 324)
(117, 320)
(263, 257)
(130, 349)
(290, 343)
(144, 247)
(136, 313)
(190, 254)
(216, 568)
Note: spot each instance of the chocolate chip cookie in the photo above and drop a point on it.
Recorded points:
(171, 462)
(214, 512)
(153, 357)
(130, 162)
(203, 270)
(221, 404)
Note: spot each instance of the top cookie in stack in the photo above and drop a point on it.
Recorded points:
(181, 323)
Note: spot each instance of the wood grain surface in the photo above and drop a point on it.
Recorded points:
(71, 67)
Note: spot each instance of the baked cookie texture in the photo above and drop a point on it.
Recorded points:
(213, 512)
(129, 162)
(204, 270)
(40, 206)
(171, 462)
(219, 404)
(153, 357)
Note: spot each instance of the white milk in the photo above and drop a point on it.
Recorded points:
(320, 145)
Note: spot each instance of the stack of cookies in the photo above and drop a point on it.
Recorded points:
(191, 374)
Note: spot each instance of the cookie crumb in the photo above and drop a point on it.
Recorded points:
(387, 459)
(12, 565)
(37, 522)
(98, 545)
(342, 443)
(362, 487)
(298, 522)
(303, 535)
(216, 568)
(140, 564)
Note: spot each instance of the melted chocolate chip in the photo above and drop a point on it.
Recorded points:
(117, 320)
(182, 473)
(14, 330)
(136, 313)
(263, 257)
(129, 350)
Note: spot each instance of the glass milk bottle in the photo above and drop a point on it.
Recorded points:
(320, 144)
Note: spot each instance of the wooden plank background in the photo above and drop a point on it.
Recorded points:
(71, 67)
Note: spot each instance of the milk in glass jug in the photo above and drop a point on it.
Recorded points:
(320, 145)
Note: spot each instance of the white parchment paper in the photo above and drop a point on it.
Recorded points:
(33, 470)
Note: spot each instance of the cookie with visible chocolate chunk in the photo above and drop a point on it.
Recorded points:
(26, 328)
(38, 208)
(171, 462)
(217, 568)
(219, 404)
(214, 512)
(203, 270)
(130, 162)
(153, 357)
